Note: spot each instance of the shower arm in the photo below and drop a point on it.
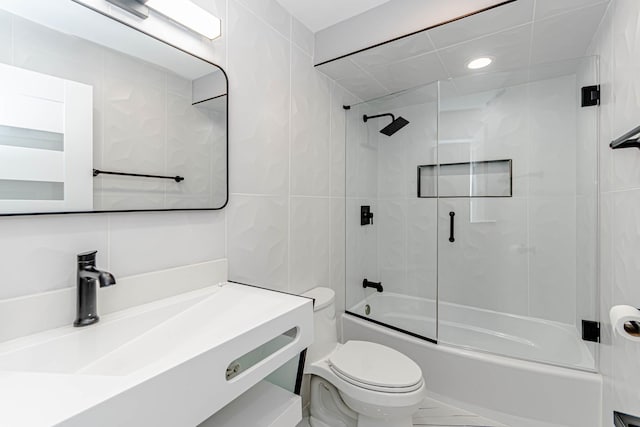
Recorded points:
(365, 117)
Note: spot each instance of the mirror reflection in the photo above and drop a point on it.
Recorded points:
(106, 120)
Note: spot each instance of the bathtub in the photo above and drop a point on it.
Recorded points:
(515, 392)
(485, 330)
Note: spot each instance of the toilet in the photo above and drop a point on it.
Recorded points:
(358, 383)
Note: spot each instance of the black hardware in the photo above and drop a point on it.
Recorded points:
(393, 328)
(97, 172)
(366, 216)
(391, 128)
(375, 285)
(624, 420)
(300, 374)
(451, 230)
(590, 96)
(87, 276)
(347, 107)
(590, 331)
(627, 140)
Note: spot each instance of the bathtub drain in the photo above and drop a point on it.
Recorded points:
(367, 309)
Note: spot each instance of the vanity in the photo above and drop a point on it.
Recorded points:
(172, 348)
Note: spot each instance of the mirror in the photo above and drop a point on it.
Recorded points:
(99, 117)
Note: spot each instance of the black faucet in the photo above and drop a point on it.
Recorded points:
(375, 285)
(88, 275)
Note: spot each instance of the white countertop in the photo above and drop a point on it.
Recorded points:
(169, 374)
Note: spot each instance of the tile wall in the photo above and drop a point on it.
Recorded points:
(618, 45)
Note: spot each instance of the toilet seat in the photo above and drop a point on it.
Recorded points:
(375, 367)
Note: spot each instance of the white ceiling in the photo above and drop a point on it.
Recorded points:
(318, 15)
(519, 36)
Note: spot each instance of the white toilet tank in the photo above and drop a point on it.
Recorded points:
(324, 324)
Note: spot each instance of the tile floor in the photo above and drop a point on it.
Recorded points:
(437, 414)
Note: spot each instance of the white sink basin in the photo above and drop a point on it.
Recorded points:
(161, 364)
(85, 350)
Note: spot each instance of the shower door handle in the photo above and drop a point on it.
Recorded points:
(451, 227)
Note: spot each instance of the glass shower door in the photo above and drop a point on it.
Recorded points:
(391, 232)
(517, 213)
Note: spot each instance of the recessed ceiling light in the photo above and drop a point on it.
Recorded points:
(478, 63)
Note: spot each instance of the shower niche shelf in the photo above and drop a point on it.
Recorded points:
(487, 178)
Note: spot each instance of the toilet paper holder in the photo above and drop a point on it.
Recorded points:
(632, 328)
(625, 320)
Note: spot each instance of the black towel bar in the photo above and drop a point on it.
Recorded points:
(97, 172)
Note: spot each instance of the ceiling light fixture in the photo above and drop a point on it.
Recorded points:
(184, 12)
(478, 63)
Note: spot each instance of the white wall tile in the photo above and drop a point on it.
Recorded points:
(626, 270)
(486, 266)
(552, 268)
(390, 219)
(626, 109)
(310, 128)
(339, 99)
(617, 42)
(39, 253)
(271, 13)
(422, 249)
(141, 243)
(338, 256)
(257, 245)
(259, 66)
(302, 37)
(310, 243)
(552, 147)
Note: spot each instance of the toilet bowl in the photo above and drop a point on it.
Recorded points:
(358, 383)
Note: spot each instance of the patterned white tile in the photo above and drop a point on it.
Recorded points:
(39, 253)
(552, 272)
(337, 261)
(271, 12)
(618, 44)
(310, 243)
(310, 128)
(141, 243)
(302, 37)
(257, 247)
(259, 61)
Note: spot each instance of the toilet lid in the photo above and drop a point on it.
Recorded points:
(375, 365)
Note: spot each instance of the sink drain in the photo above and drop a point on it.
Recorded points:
(367, 309)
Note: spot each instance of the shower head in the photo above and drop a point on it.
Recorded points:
(391, 128)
